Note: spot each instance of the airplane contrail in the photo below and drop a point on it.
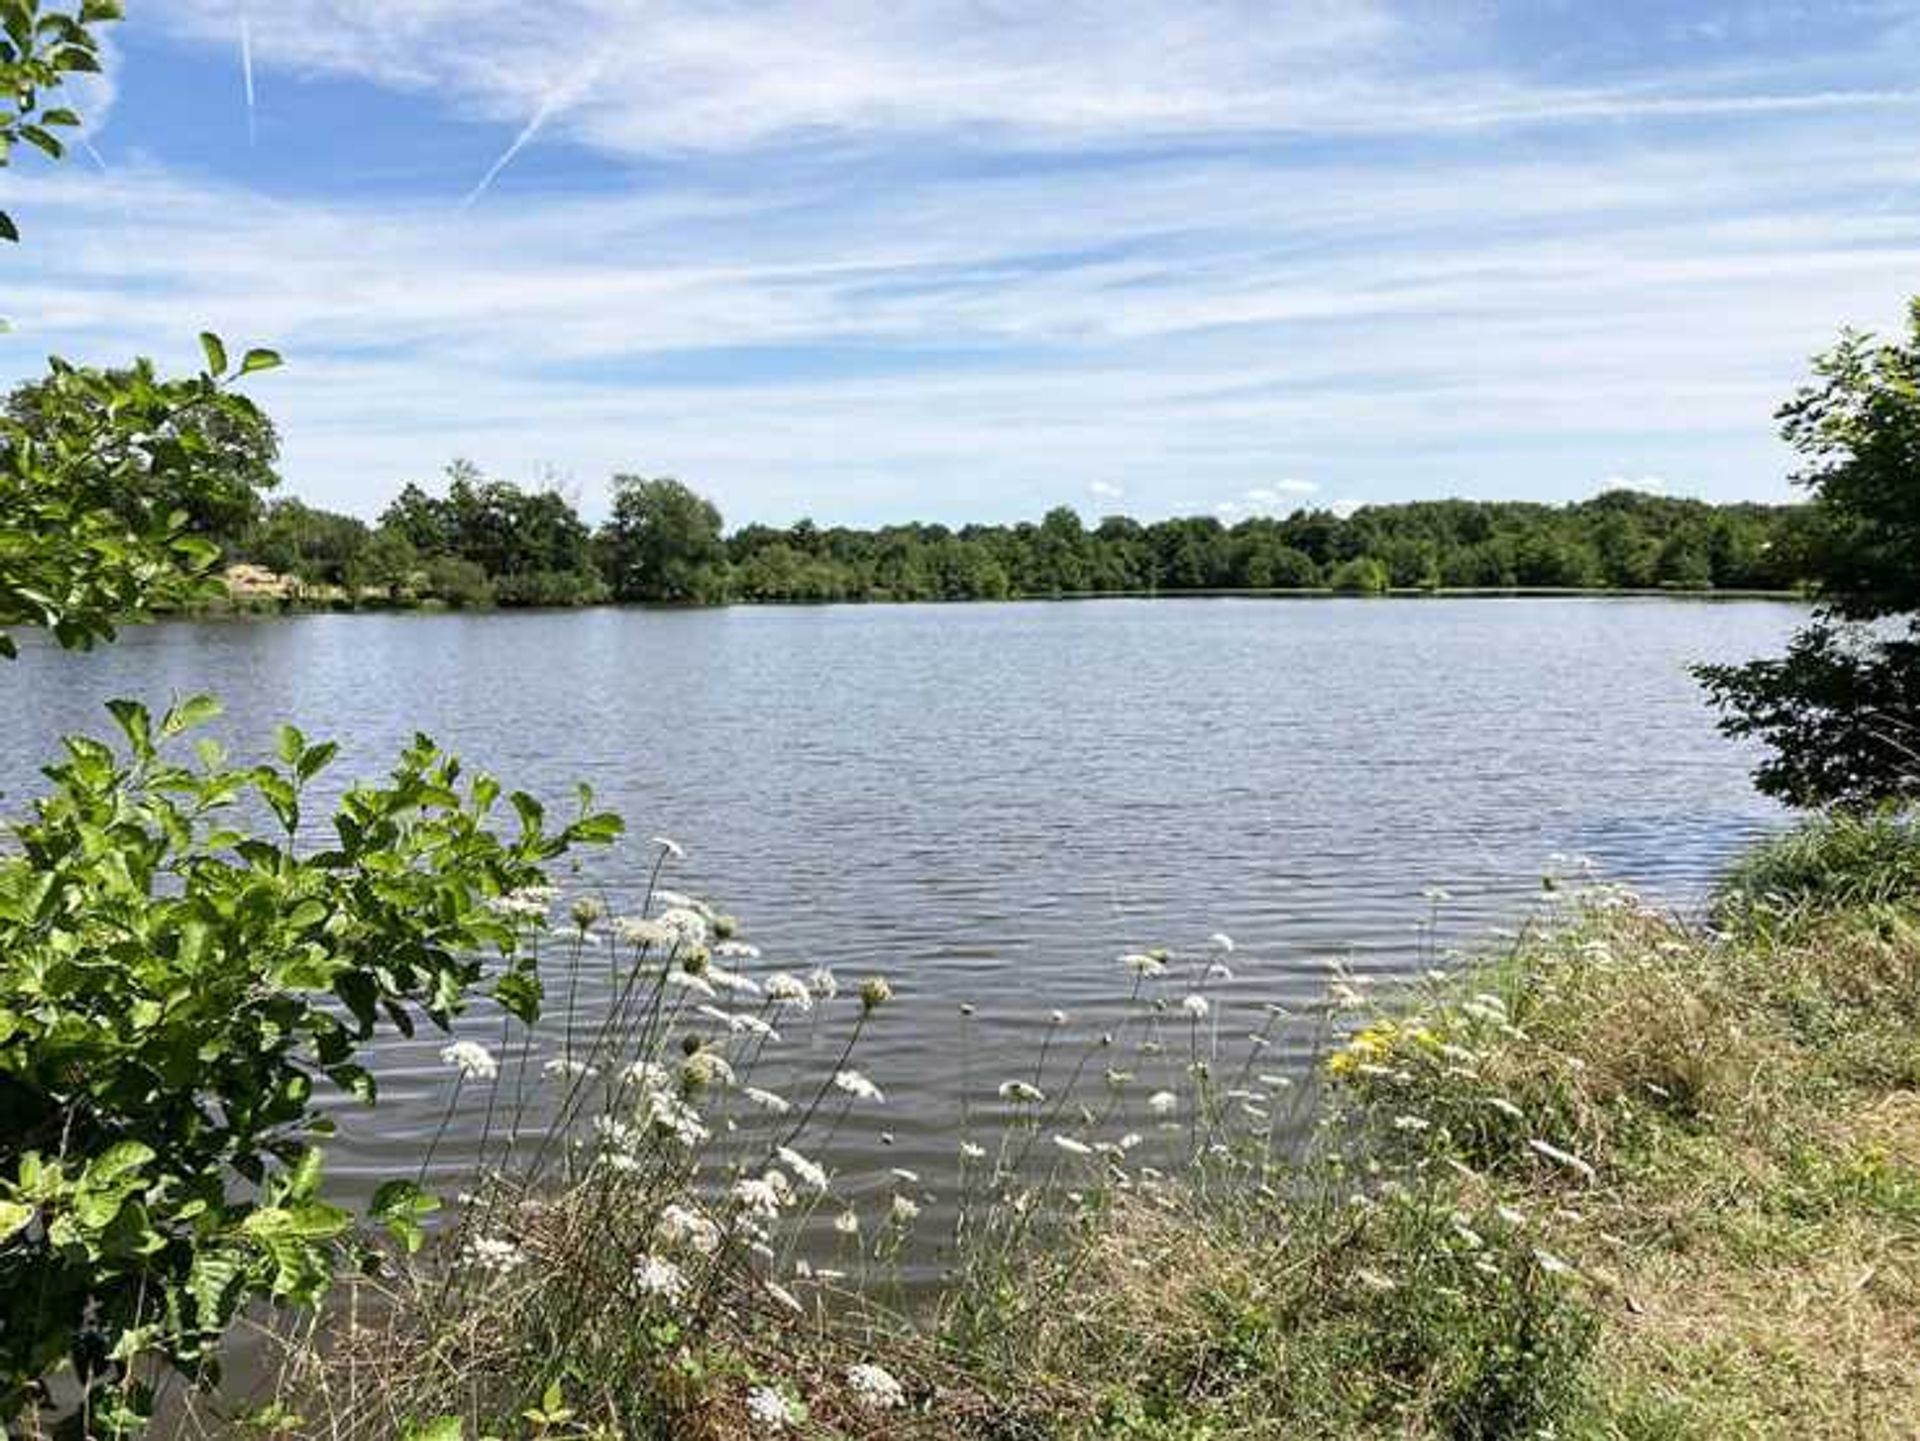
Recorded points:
(520, 142)
(246, 68)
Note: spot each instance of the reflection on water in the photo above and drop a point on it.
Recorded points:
(988, 804)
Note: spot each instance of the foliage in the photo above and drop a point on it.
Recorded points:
(1835, 861)
(175, 989)
(100, 486)
(224, 456)
(1841, 710)
(39, 49)
(662, 543)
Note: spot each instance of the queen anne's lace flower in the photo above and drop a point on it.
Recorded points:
(855, 1084)
(657, 1276)
(876, 1387)
(811, 1173)
(471, 1059)
(680, 1226)
(495, 1254)
(768, 1409)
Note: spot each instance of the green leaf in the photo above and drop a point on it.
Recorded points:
(259, 358)
(315, 759)
(215, 352)
(135, 724)
(14, 1217)
(95, 12)
(401, 1207)
(290, 743)
(42, 141)
(530, 811)
(441, 1428)
(8, 230)
(195, 710)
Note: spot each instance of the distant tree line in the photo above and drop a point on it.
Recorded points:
(487, 541)
(480, 541)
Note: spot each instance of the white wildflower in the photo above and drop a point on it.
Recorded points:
(767, 1100)
(769, 1410)
(1073, 1147)
(763, 1196)
(904, 1210)
(875, 1387)
(494, 1254)
(901, 1173)
(566, 1068)
(656, 1276)
(972, 1151)
(1221, 941)
(823, 984)
(684, 927)
(1195, 1006)
(639, 931)
(789, 990)
(707, 1068)
(856, 1084)
(811, 1173)
(674, 1117)
(1021, 1091)
(1143, 965)
(671, 847)
(679, 1226)
(471, 1059)
(687, 981)
(1163, 1103)
(648, 1075)
(733, 981)
(847, 1223)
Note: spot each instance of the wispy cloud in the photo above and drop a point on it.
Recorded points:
(954, 260)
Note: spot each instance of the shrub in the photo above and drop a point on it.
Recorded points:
(1834, 862)
(171, 992)
(1363, 575)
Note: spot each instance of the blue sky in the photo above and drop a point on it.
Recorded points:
(920, 259)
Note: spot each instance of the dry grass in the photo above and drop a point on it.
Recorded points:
(1634, 1180)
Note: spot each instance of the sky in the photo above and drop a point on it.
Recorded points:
(971, 259)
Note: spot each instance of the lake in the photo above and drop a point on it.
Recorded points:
(989, 803)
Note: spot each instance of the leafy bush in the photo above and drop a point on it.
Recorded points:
(460, 583)
(98, 488)
(172, 991)
(1363, 575)
(550, 587)
(1834, 862)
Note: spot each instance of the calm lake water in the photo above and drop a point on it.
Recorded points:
(988, 804)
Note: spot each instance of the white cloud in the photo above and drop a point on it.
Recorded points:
(673, 75)
(928, 316)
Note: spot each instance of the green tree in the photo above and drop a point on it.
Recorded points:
(1840, 711)
(662, 543)
(1363, 575)
(99, 488)
(209, 462)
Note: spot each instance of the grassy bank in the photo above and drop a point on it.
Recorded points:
(1632, 1178)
